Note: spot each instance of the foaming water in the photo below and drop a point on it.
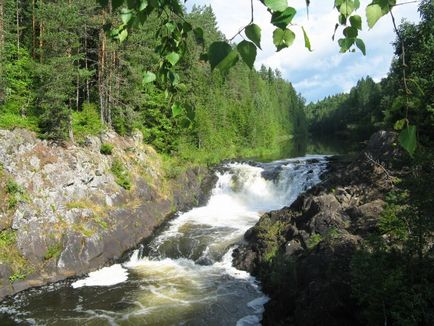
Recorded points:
(185, 275)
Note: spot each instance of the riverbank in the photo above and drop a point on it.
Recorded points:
(302, 254)
(68, 210)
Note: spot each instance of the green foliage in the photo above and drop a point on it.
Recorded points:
(392, 274)
(86, 122)
(314, 240)
(16, 193)
(106, 149)
(121, 174)
(53, 251)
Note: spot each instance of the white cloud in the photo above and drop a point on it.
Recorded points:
(324, 71)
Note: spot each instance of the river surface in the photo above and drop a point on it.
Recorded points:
(184, 276)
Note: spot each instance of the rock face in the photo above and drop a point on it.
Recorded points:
(302, 253)
(63, 213)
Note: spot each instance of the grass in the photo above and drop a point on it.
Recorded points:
(53, 251)
(314, 240)
(10, 255)
(106, 149)
(16, 194)
(12, 121)
(122, 177)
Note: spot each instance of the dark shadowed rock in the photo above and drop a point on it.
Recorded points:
(302, 253)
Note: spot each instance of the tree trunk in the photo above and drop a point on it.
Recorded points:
(2, 25)
(86, 65)
(18, 23)
(101, 74)
(33, 30)
(41, 33)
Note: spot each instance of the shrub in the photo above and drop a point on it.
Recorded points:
(314, 240)
(121, 174)
(53, 251)
(86, 122)
(106, 149)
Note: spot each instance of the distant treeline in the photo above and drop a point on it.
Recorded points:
(63, 76)
(370, 106)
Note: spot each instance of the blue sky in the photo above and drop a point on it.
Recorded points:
(324, 71)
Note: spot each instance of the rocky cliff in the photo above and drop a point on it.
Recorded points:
(67, 210)
(302, 253)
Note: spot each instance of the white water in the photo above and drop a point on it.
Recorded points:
(185, 275)
(239, 198)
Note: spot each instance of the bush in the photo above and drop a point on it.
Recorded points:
(86, 122)
(106, 149)
(121, 174)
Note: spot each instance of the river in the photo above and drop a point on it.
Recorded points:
(184, 275)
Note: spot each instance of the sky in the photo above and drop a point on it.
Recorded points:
(324, 71)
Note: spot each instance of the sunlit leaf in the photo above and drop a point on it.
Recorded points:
(173, 58)
(123, 35)
(143, 5)
(400, 124)
(373, 14)
(176, 109)
(126, 15)
(276, 5)
(149, 77)
(306, 40)
(346, 8)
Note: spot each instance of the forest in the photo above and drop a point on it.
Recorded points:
(64, 76)
(405, 95)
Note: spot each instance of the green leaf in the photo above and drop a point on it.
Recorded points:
(361, 45)
(282, 19)
(198, 35)
(373, 14)
(126, 15)
(399, 124)
(173, 58)
(176, 109)
(350, 32)
(407, 139)
(276, 5)
(228, 62)
(346, 8)
(123, 35)
(356, 4)
(306, 40)
(247, 51)
(356, 22)
(217, 52)
(149, 77)
(283, 38)
(253, 33)
(345, 43)
(143, 5)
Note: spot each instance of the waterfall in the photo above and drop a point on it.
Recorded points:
(185, 275)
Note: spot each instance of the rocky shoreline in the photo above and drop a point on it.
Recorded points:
(302, 254)
(64, 212)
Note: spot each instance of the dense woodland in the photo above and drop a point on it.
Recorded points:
(63, 76)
